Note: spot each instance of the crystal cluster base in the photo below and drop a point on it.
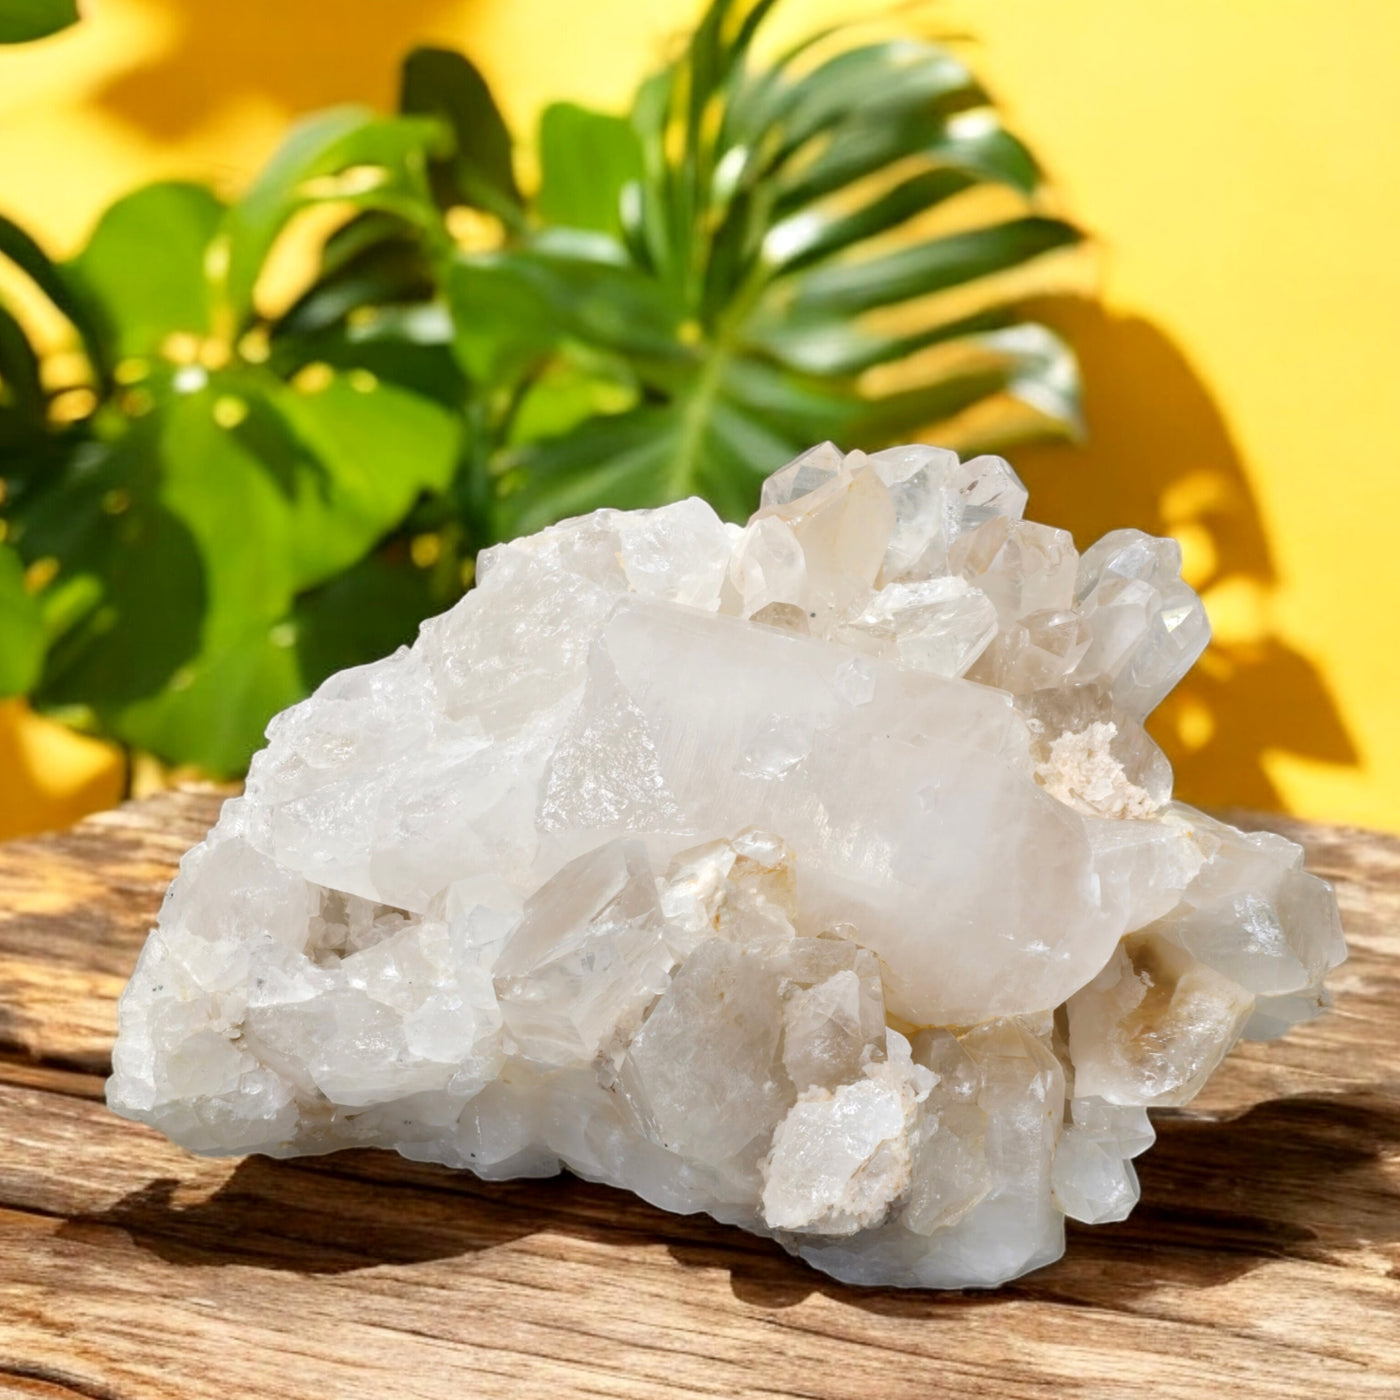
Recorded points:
(817, 874)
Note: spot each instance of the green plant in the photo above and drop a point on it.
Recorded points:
(208, 523)
(236, 497)
(24, 20)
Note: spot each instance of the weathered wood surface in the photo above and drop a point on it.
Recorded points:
(1263, 1261)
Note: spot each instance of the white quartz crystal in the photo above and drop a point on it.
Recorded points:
(817, 874)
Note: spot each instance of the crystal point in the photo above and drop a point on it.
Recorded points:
(817, 874)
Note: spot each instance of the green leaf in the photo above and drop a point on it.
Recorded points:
(800, 406)
(200, 527)
(374, 449)
(619, 460)
(24, 20)
(240, 492)
(586, 160)
(608, 303)
(128, 602)
(21, 629)
(814, 235)
(410, 347)
(345, 155)
(696, 446)
(758, 250)
(515, 306)
(502, 315)
(307, 483)
(1026, 362)
(652, 228)
(841, 348)
(367, 612)
(848, 289)
(30, 258)
(879, 85)
(145, 263)
(444, 84)
(217, 716)
(20, 386)
(303, 484)
(577, 385)
(373, 261)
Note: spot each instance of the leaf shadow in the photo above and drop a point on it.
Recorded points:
(1219, 1199)
(1159, 455)
(293, 55)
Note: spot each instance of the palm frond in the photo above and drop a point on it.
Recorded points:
(773, 222)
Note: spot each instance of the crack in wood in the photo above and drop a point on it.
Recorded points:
(62, 1380)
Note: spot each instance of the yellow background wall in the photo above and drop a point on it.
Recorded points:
(1234, 159)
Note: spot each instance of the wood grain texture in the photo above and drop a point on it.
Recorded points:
(1264, 1260)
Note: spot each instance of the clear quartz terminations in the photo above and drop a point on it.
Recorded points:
(817, 874)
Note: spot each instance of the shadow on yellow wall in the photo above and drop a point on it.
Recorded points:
(1159, 457)
(294, 56)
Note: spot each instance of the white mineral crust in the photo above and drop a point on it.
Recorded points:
(817, 874)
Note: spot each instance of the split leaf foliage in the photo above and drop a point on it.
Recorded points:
(244, 489)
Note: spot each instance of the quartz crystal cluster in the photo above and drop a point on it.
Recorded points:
(817, 874)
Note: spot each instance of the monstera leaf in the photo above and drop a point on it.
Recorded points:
(217, 489)
(21, 629)
(756, 252)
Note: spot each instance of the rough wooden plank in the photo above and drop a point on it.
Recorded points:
(75, 908)
(1265, 1257)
